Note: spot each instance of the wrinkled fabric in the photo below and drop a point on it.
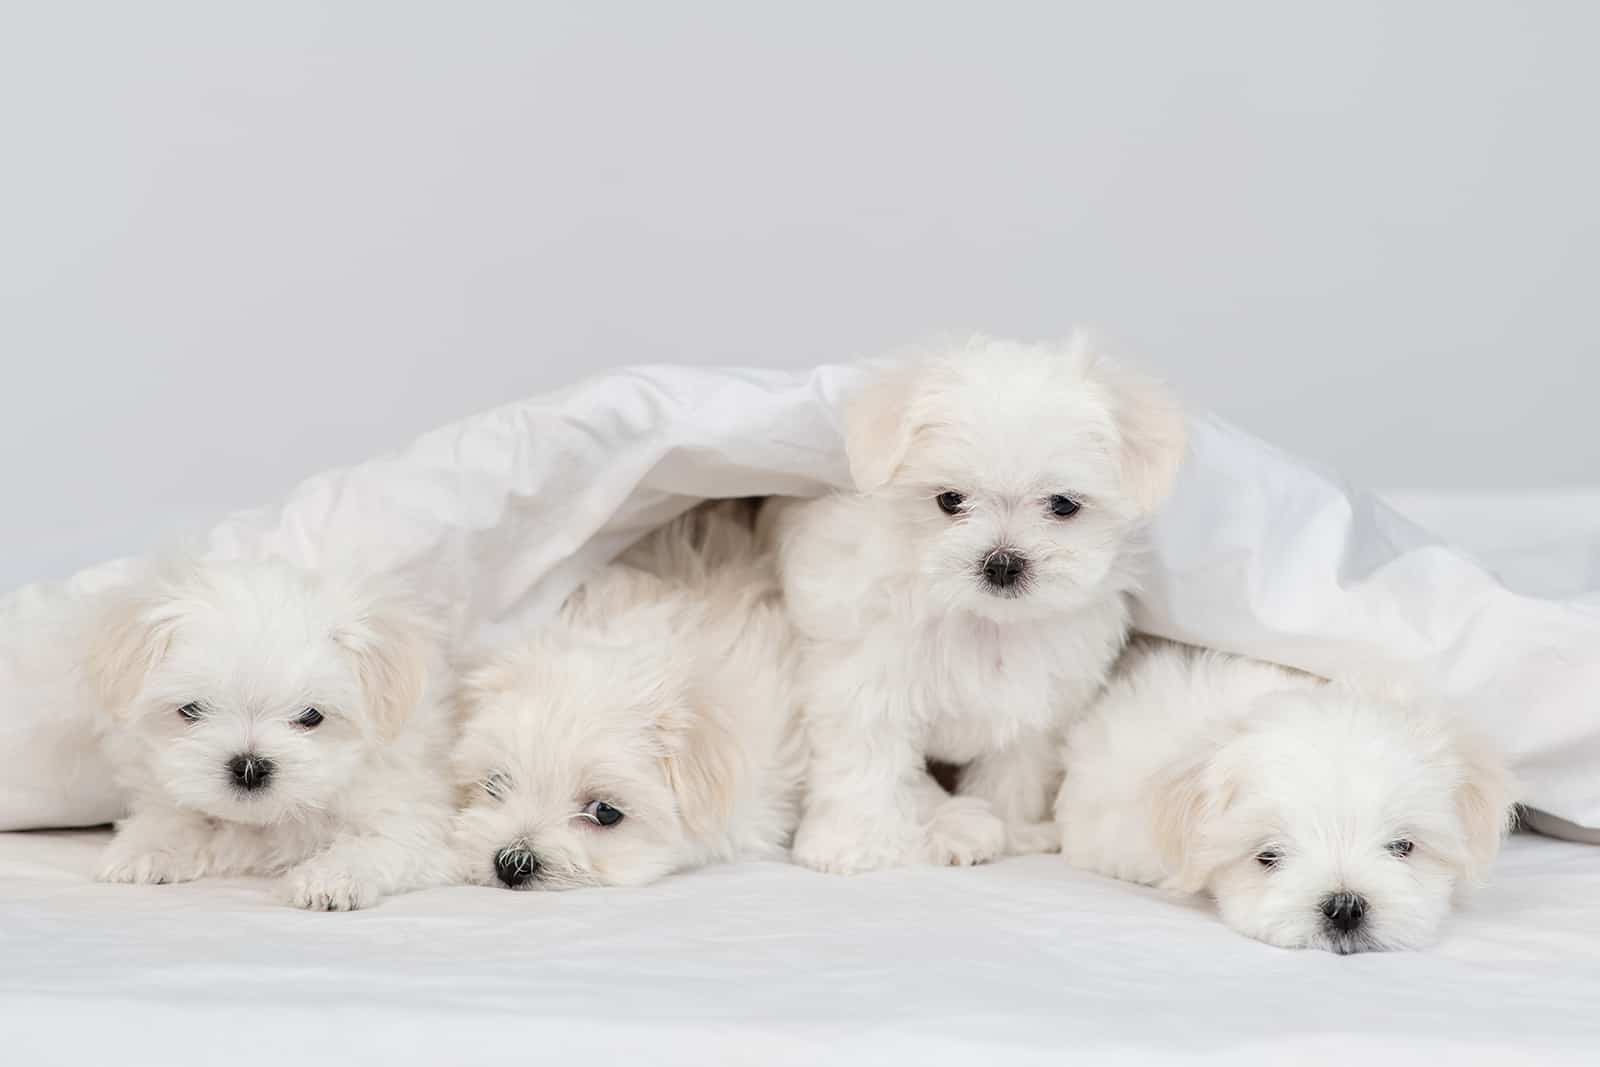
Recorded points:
(496, 518)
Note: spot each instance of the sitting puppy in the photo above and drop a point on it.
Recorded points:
(648, 730)
(266, 720)
(968, 599)
(1315, 816)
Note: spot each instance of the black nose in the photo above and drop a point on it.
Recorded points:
(1344, 910)
(515, 865)
(250, 771)
(1002, 569)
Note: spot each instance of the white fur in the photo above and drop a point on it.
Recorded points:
(356, 808)
(907, 656)
(665, 691)
(1194, 764)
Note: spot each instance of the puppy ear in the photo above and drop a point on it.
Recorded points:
(1150, 422)
(877, 425)
(392, 646)
(1178, 805)
(1485, 799)
(1183, 803)
(130, 638)
(703, 763)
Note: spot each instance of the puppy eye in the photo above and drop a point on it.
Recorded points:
(1400, 848)
(310, 719)
(602, 813)
(950, 501)
(496, 785)
(1063, 507)
(192, 712)
(1269, 857)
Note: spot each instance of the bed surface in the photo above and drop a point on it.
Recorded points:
(1023, 961)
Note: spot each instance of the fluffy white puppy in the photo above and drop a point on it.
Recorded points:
(970, 596)
(263, 720)
(651, 729)
(1316, 816)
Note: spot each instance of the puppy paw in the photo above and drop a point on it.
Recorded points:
(317, 889)
(150, 868)
(964, 832)
(1032, 838)
(837, 850)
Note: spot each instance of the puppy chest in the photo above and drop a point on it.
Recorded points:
(982, 697)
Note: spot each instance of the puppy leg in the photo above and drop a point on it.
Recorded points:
(963, 831)
(1020, 783)
(156, 846)
(404, 850)
(867, 788)
(870, 801)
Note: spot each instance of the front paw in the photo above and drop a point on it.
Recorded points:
(1032, 838)
(318, 888)
(150, 868)
(838, 848)
(964, 832)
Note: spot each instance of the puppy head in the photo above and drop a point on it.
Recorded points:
(1015, 473)
(586, 759)
(1331, 821)
(252, 691)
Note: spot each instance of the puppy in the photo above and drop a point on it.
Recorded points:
(1315, 816)
(968, 599)
(650, 729)
(265, 720)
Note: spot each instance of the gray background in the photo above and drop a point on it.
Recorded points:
(242, 243)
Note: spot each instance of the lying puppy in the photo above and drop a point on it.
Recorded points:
(266, 720)
(650, 729)
(968, 599)
(1316, 817)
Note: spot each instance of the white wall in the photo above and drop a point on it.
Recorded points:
(242, 243)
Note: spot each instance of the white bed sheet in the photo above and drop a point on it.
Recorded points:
(1023, 961)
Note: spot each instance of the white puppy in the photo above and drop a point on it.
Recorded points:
(263, 720)
(1317, 817)
(969, 597)
(652, 728)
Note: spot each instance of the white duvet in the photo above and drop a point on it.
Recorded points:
(497, 517)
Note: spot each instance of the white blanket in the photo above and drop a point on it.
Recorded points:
(499, 516)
